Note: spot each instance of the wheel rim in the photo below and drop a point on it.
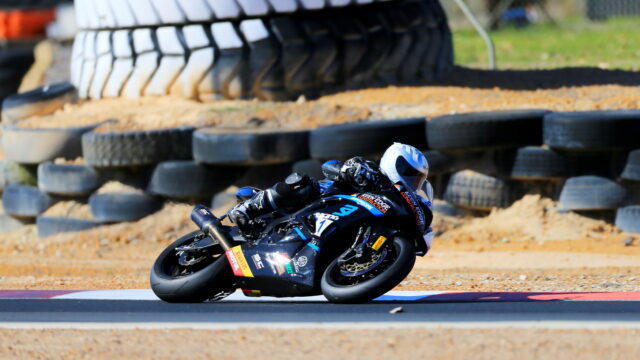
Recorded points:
(179, 264)
(341, 275)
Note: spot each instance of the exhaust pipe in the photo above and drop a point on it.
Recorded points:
(210, 225)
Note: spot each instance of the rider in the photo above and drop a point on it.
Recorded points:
(402, 166)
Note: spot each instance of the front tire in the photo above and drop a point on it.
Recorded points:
(339, 289)
(210, 278)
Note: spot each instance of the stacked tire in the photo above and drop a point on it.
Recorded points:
(628, 217)
(582, 159)
(269, 49)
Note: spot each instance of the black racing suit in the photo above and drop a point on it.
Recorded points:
(297, 191)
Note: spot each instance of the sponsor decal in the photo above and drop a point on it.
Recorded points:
(322, 225)
(326, 216)
(289, 268)
(376, 201)
(302, 261)
(238, 262)
(415, 207)
(376, 245)
(372, 209)
(346, 210)
(204, 212)
(278, 261)
(235, 267)
(257, 261)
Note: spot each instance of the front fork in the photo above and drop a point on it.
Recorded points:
(369, 240)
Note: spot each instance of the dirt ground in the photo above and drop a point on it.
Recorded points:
(381, 344)
(558, 90)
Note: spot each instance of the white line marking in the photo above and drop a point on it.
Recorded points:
(237, 296)
(565, 325)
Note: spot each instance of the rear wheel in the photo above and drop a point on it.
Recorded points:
(182, 275)
(348, 279)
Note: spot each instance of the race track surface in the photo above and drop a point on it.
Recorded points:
(20, 308)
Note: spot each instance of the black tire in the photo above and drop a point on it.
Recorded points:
(592, 130)
(271, 55)
(309, 167)
(491, 129)
(372, 288)
(443, 208)
(589, 193)
(533, 163)
(35, 146)
(206, 283)
(439, 163)
(419, 27)
(9, 224)
(67, 179)
(365, 138)
(263, 177)
(189, 180)
(238, 146)
(49, 226)
(41, 101)
(598, 163)
(136, 148)
(472, 190)
(632, 169)
(628, 219)
(445, 58)
(118, 207)
(25, 201)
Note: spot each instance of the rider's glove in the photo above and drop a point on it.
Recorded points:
(358, 172)
(247, 226)
(238, 215)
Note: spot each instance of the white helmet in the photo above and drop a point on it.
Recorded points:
(405, 164)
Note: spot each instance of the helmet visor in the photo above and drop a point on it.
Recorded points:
(410, 176)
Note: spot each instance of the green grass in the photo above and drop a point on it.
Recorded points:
(614, 44)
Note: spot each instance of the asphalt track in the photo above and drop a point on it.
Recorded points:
(443, 309)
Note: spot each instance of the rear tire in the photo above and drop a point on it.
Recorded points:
(213, 281)
(372, 288)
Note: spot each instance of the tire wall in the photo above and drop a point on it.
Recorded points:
(478, 161)
(206, 50)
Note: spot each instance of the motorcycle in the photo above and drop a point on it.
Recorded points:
(350, 248)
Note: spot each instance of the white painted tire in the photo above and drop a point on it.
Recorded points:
(268, 49)
(111, 14)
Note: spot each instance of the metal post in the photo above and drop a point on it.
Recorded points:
(483, 33)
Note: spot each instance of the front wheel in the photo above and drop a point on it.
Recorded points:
(347, 282)
(181, 275)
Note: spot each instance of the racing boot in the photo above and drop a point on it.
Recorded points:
(244, 213)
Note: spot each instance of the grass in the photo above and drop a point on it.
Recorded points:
(613, 44)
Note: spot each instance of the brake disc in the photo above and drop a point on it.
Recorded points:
(359, 268)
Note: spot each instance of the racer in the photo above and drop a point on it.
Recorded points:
(402, 166)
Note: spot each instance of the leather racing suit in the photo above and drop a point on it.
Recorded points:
(296, 191)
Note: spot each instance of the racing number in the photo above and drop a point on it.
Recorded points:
(346, 210)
